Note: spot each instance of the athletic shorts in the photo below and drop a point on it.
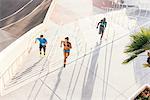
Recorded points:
(42, 46)
(66, 51)
(101, 30)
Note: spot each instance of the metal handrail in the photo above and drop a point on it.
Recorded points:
(121, 7)
(9, 70)
(59, 59)
(21, 54)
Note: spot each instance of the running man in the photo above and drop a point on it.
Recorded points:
(67, 47)
(102, 25)
(42, 43)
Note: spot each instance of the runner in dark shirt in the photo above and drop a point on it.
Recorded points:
(102, 25)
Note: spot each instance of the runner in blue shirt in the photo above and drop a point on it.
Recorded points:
(42, 43)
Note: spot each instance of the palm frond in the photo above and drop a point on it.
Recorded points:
(129, 59)
(140, 42)
(133, 55)
(147, 46)
(137, 41)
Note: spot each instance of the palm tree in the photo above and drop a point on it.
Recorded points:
(140, 42)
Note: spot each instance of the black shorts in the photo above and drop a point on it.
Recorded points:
(101, 30)
(42, 47)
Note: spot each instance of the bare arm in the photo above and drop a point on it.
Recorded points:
(98, 24)
(45, 41)
(70, 46)
(36, 40)
(61, 43)
(105, 24)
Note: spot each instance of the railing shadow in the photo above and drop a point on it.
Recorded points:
(26, 71)
(57, 83)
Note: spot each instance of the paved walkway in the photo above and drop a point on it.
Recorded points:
(94, 69)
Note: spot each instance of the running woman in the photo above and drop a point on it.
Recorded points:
(67, 47)
(42, 43)
(102, 25)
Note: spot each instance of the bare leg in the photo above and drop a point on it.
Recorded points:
(44, 49)
(102, 31)
(65, 58)
(66, 54)
(40, 48)
(102, 35)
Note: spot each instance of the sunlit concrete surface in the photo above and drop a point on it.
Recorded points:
(94, 70)
(66, 11)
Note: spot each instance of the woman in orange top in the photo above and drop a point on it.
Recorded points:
(67, 47)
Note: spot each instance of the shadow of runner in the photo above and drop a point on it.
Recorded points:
(74, 68)
(88, 87)
(57, 83)
(76, 80)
